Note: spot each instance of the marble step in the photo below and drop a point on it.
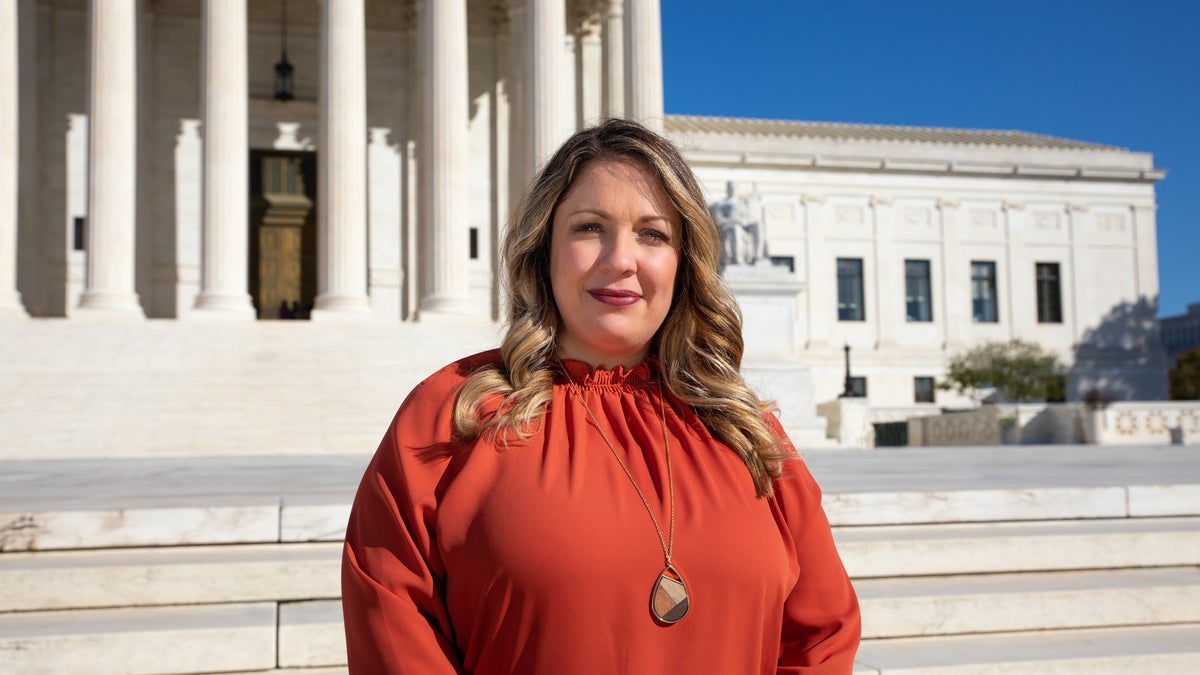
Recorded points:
(311, 634)
(291, 637)
(342, 670)
(143, 641)
(71, 504)
(44, 580)
(955, 548)
(991, 603)
(1163, 650)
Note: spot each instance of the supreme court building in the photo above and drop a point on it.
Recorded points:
(158, 159)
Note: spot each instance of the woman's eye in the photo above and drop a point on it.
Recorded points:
(588, 227)
(658, 235)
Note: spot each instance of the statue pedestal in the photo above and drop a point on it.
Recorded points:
(769, 297)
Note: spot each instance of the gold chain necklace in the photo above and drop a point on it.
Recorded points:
(669, 601)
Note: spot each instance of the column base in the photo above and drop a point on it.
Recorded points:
(11, 306)
(450, 305)
(222, 306)
(106, 305)
(341, 308)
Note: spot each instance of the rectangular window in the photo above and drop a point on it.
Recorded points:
(923, 389)
(858, 387)
(850, 289)
(78, 232)
(473, 243)
(918, 297)
(1049, 293)
(983, 291)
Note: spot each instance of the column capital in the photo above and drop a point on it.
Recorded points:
(948, 203)
(1012, 205)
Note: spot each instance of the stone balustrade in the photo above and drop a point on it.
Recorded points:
(1144, 423)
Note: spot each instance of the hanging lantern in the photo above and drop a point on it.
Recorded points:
(283, 69)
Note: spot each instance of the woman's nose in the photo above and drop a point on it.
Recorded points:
(621, 253)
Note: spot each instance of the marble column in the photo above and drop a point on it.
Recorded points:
(443, 198)
(589, 75)
(112, 161)
(614, 58)
(643, 67)
(342, 163)
(10, 299)
(520, 57)
(225, 252)
(546, 93)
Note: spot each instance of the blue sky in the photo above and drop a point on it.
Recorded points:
(1118, 73)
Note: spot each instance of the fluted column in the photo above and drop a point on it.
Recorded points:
(10, 299)
(342, 162)
(112, 160)
(546, 91)
(445, 285)
(589, 75)
(614, 58)
(225, 254)
(644, 96)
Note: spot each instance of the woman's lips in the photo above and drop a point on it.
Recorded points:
(616, 298)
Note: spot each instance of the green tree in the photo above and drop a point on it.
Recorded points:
(1019, 371)
(1185, 377)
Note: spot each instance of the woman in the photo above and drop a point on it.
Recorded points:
(603, 494)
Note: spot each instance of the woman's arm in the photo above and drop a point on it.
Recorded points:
(821, 622)
(392, 575)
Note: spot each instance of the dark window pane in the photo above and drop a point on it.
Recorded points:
(1049, 293)
(850, 289)
(917, 292)
(858, 387)
(923, 389)
(983, 292)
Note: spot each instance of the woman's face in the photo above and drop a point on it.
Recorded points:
(614, 251)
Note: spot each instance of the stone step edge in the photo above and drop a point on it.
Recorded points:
(194, 639)
(972, 604)
(1028, 546)
(266, 635)
(213, 519)
(1100, 651)
(89, 579)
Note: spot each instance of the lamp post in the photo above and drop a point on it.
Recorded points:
(283, 69)
(848, 384)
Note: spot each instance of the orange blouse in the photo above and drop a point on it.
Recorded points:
(539, 557)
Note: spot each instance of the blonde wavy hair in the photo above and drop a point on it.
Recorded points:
(699, 346)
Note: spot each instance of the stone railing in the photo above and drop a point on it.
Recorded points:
(1141, 423)
(974, 427)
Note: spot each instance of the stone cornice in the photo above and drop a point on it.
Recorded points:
(705, 157)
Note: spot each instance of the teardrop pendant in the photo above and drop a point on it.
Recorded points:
(669, 601)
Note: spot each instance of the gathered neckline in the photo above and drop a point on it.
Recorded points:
(585, 376)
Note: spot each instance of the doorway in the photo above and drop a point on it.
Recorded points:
(283, 233)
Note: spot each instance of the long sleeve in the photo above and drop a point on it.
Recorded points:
(821, 622)
(392, 575)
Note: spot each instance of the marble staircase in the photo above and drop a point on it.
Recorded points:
(173, 494)
(967, 560)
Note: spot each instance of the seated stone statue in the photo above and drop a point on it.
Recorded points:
(741, 229)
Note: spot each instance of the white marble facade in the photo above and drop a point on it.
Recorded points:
(948, 198)
(427, 119)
